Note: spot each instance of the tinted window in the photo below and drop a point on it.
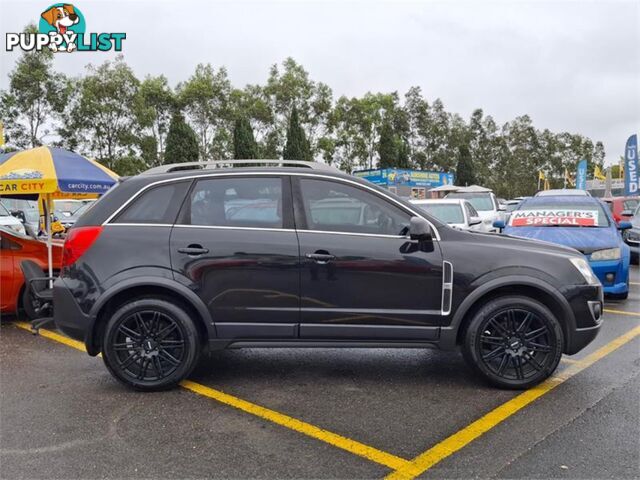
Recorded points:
(157, 205)
(236, 202)
(335, 207)
(471, 212)
(447, 213)
(481, 201)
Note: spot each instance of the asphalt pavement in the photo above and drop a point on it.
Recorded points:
(330, 413)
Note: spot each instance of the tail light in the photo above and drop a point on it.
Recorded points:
(78, 241)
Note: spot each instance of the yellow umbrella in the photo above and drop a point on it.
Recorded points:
(48, 173)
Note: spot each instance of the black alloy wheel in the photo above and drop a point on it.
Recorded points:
(150, 344)
(515, 342)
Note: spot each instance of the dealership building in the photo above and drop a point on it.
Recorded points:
(406, 183)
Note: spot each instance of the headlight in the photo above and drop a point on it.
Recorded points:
(632, 235)
(583, 267)
(608, 254)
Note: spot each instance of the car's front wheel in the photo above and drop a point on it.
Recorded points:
(514, 342)
(150, 344)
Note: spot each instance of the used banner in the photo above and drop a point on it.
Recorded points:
(560, 217)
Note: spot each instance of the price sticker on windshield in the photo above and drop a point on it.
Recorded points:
(560, 217)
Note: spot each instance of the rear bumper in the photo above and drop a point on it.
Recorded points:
(67, 315)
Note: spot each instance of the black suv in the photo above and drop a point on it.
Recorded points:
(192, 257)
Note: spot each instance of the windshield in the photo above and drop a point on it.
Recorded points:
(447, 213)
(3, 211)
(559, 214)
(481, 201)
(630, 204)
(510, 207)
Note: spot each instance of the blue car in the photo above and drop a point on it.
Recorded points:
(580, 222)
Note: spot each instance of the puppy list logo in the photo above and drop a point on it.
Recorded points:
(62, 29)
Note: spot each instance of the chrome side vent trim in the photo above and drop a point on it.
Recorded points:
(447, 287)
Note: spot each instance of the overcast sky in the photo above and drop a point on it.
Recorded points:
(572, 66)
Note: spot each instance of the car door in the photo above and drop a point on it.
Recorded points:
(235, 242)
(7, 273)
(361, 275)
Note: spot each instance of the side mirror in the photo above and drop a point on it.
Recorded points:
(624, 225)
(499, 224)
(474, 221)
(626, 213)
(502, 208)
(420, 230)
(19, 214)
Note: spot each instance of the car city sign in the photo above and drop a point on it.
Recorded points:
(62, 29)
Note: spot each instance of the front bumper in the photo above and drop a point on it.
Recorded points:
(612, 275)
(587, 304)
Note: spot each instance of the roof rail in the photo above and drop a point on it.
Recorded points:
(176, 167)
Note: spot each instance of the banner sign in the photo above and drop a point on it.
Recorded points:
(581, 175)
(631, 179)
(560, 217)
(410, 178)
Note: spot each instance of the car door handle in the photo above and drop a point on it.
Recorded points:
(194, 249)
(320, 257)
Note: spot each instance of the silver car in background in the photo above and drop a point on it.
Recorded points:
(457, 213)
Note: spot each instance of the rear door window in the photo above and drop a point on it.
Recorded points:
(251, 202)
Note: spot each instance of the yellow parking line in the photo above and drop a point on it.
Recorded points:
(468, 434)
(357, 448)
(370, 453)
(634, 283)
(54, 336)
(622, 312)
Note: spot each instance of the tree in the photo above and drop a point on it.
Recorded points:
(244, 144)
(206, 98)
(182, 142)
(34, 96)
(387, 146)
(297, 146)
(101, 119)
(154, 105)
(465, 174)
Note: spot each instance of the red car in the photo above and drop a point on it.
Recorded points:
(14, 248)
(622, 207)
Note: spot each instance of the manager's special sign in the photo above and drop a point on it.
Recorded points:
(554, 217)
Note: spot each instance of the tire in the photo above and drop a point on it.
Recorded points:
(150, 344)
(514, 342)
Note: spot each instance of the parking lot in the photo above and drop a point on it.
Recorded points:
(329, 413)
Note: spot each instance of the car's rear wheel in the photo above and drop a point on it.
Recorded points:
(150, 344)
(514, 342)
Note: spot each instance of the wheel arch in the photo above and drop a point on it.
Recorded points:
(147, 287)
(531, 287)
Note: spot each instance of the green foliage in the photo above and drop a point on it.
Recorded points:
(36, 93)
(297, 146)
(244, 144)
(130, 125)
(154, 105)
(387, 146)
(182, 142)
(205, 98)
(465, 172)
(102, 119)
